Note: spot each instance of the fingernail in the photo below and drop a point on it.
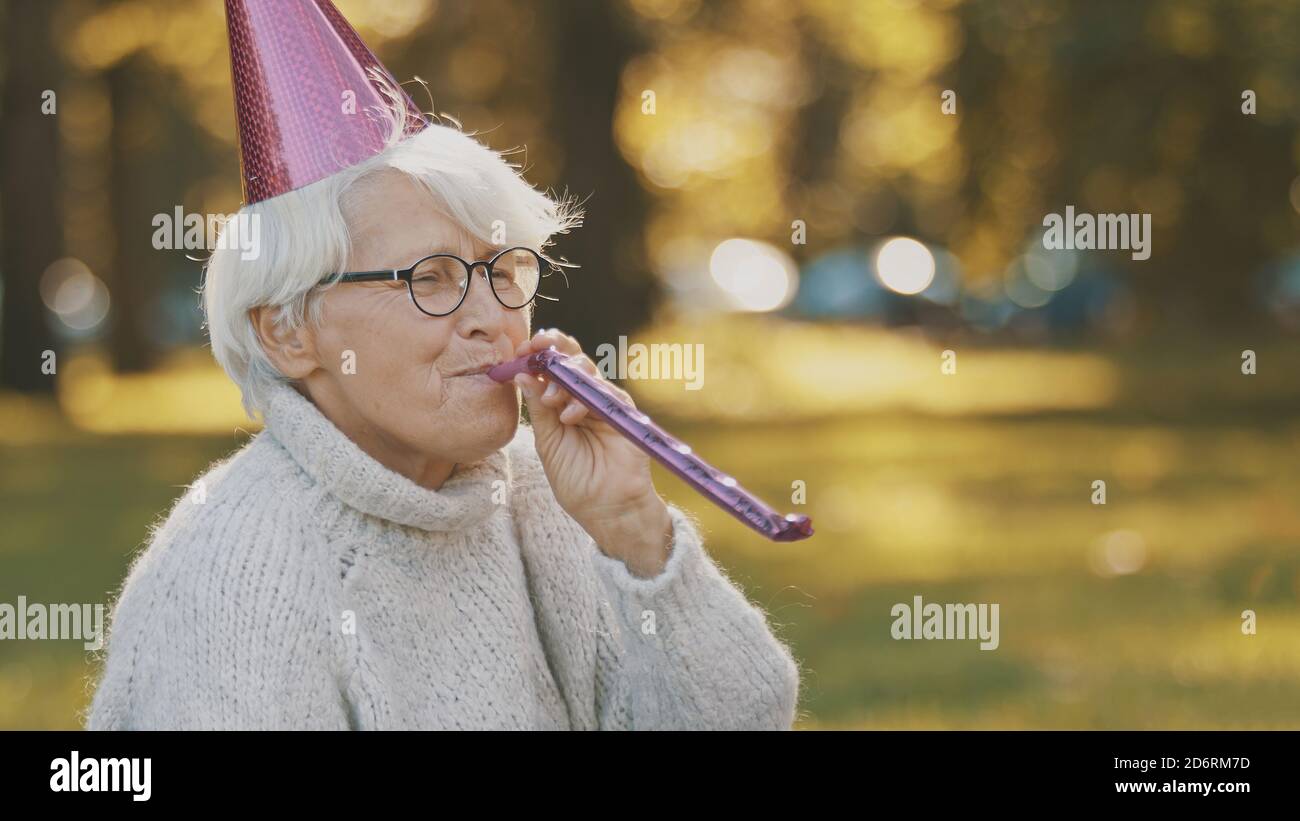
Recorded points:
(550, 390)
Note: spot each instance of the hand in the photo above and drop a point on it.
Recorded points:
(599, 477)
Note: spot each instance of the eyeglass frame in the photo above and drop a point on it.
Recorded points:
(407, 275)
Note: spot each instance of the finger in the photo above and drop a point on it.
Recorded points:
(545, 419)
(562, 342)
(555, 396)
(565, 343)
(529, 385)
(533, 343)
(571, 410)
(573, 413)
(583, 363)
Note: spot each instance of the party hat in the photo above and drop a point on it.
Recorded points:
(307, 94)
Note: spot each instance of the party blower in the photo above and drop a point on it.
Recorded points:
(654, 440)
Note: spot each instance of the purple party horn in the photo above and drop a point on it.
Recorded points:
(654, 440)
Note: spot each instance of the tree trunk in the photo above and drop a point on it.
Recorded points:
(612, 293)
(30, 226)
(136, 264)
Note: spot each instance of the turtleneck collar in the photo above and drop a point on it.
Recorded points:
(340, 466)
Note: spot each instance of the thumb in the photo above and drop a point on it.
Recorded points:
(545, 419)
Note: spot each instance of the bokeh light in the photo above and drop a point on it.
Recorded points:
(754, 275)
(1118, 553)
(1050, 270)
(904, 265)
(75, 295)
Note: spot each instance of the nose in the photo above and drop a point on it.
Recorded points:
(481, 313)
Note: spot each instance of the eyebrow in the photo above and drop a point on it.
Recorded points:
(416, 254)
(492, 250)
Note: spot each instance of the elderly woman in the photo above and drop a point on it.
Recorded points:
(395, 549)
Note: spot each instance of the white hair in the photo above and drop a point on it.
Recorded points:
(303, 236)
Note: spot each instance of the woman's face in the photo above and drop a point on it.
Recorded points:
(388, 372)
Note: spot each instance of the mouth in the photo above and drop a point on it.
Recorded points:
(478, 370)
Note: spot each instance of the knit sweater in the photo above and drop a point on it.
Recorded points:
(301, 584)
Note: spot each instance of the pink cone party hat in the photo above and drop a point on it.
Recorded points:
(307, 92)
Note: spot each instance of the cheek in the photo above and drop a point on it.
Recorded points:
(517, 329)
(389, 352)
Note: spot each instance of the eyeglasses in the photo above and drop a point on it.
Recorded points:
(438, 283)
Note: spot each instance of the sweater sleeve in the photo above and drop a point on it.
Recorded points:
(208, 632)
(686, 650)
(172, 666)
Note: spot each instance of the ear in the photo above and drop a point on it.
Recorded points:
(291, 350)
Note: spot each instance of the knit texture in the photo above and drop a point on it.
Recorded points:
(300, 584)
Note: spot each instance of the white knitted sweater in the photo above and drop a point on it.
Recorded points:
(301, 584)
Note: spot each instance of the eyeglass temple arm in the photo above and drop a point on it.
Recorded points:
(364, 276)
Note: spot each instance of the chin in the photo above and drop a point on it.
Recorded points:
(491, 432)
(500, 428)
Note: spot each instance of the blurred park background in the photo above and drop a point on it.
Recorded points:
(778, 181)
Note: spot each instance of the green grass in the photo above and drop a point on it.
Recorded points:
(74, 510)
(999, 510)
